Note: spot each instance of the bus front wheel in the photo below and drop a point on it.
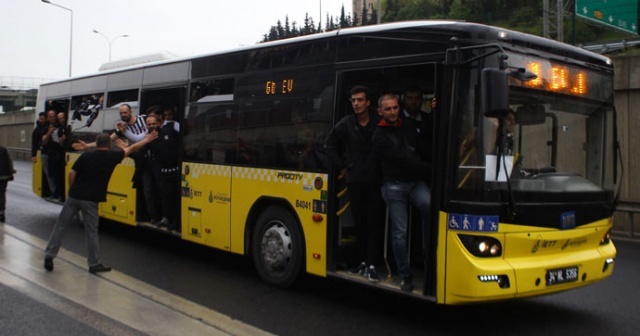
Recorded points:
(277, 247)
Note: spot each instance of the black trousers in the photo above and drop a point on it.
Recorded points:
(3, 194)
(368, 209)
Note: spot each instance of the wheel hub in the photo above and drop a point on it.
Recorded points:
(276, 246)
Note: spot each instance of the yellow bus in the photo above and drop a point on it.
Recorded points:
(255, 180)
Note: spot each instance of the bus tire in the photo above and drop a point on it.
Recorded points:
(278, 251)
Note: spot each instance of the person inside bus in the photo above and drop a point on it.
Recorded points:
(53, 157)
(161, 173)
(170, 118)
(349, 146)
(404, 175)
(64, 131)
(36, 136)
(501, 134)
(134, 128)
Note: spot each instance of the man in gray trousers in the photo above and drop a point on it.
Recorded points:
(88, 181)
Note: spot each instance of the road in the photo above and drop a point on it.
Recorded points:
(228, 284)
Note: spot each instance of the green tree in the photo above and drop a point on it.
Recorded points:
(287, 27)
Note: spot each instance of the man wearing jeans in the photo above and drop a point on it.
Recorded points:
(88, 181)
(404, 184)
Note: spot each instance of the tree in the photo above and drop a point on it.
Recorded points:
(287, 28)
(343, 19)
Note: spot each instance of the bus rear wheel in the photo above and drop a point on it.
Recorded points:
(277, 247)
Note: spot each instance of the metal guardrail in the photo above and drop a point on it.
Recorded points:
(20, 153)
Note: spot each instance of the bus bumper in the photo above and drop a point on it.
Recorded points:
(576, 259)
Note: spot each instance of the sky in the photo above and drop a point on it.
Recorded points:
(36, 35)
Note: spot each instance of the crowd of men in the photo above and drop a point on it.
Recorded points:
(152, 142)
(385, 157)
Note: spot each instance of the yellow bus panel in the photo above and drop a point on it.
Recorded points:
(206, 204)
(535, 261)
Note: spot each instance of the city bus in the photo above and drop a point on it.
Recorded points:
(518, 222)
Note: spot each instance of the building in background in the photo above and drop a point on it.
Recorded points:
(371, 5)
(18, 94)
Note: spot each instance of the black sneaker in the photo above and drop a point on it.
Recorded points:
(2, 217)
(48, 264)
(360, 269)
(99, 268)
(407, 284)
(372, 275)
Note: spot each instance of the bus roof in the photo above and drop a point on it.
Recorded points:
(470, 32)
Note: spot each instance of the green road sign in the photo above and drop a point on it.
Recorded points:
(620, 14)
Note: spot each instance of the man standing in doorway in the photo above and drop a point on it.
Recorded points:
(36, 136)
(88, 181)
(53, 158)
(404, 175)
(350, 147)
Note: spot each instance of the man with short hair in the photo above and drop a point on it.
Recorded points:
(53, 158)
(133, 128)
(36, 135)
(419, 123)
(161, 173)
(404, 175)
(350, 147)
(88, 181)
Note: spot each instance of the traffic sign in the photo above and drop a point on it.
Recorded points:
(620, 14)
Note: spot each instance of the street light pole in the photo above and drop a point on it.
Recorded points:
(109, 41)
(70, 32)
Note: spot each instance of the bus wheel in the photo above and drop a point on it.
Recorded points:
(277, 247)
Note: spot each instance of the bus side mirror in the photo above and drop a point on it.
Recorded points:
(494, 93)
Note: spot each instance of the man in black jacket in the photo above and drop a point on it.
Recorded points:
(6, 175)
(36, 136)
(161, 174)
(350, 147)
(404, 175)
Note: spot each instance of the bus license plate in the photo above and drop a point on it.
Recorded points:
(562, 275)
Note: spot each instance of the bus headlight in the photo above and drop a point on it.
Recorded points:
(481, 246)
(606, 239)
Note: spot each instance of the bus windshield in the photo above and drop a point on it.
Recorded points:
(554, 145)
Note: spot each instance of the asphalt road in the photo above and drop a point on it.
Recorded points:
(228, 284)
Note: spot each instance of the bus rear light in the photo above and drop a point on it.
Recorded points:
(606, 239)
(317, 256)
(481, 246)
(502, 280)
(317, 217)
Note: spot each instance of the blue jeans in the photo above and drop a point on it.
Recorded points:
(89, 219)
(398, 196)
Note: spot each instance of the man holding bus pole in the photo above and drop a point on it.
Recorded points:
(404, 174)
(88, 181)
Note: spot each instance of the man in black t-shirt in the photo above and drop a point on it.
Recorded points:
(88, 181)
